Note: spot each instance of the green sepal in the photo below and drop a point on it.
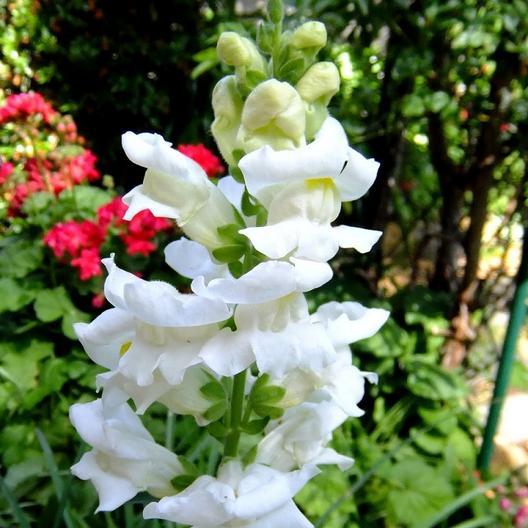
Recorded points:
(216, 411)
(250, 456)
(236, 173)
(268, 410)
(268, 395)
(249, 207)
(230, 233)
(265, 37)
(230, 323)
(256, 426)
(188, 466)
(182, 481)
(238, 154)
(217, 430)
(254, 78)
(293, 69)
(236, 269)
(260, 382)
(230, 253)
(213, 391)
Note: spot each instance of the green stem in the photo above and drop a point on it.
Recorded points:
(237, 406)
(276, 49)
(169, 431)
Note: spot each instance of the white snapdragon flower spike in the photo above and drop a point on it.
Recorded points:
(278, 335)
(300, 437)
(175, 186)
(125, 458)
(254, 497)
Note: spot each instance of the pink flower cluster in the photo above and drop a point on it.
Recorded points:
(25, 104)
(204, 157)
(42, 175)
(515, 505)
(79, 242)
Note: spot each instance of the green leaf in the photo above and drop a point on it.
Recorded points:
(13, 296)
(254, 78)
(268, 411)
(52, 304)
(18, 513)
(229, 253)
(236, 173)
(216, 411)
(19, 257)
(419, 491)
(217, 430)
(256, 426)
(213, 391)
(432, 382)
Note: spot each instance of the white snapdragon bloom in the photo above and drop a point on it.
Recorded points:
(175, 186)
(152, 328)
(303, 190)
(183, 398)
(349, 322)
(254, 497)
(300, 437)
(278, 335)
(125, 459)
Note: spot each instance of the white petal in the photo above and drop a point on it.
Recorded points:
(159, 303)
(191, 260)
(357, 238)
(265, 282)
(137, 201)
(232, 190)
(310, 274)
(113, 490)
(288, 516)
(227, 353)
(324, 157)
(200, 504)
(104, 336)
(329, 456)
(349, 322)
(275, 241)
(357, 177)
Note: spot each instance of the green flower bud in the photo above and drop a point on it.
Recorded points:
(239, 52)
(317, 86)
(309, 35)
(273, 114)
(320, 83)
(227, 106)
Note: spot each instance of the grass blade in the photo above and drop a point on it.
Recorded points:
(17, 511)
(489, 520)
(55, 476)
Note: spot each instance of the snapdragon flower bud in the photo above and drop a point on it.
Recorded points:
(237, 51)
(309, 35)
(317, 86)
(227, 106)
(273, 114)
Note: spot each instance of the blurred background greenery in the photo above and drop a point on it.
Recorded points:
(435, 90)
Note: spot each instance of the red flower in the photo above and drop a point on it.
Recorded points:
(72, 237)
(6, 169)
(138, 246)
(23, 105)
(88, 263)
(112, 213)
(98, 300)
(204, 157)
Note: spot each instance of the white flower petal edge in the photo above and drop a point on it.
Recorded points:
(125, 459)
(190, 259)
(175, 186)
(349, 322)
(159, 303)
(246, 497)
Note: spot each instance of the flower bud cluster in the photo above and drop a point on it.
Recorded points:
(242, 353)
